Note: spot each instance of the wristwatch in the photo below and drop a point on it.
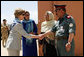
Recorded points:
(69, 42)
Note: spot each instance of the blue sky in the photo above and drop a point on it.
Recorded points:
(8, 7)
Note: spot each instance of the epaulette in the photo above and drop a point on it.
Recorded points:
(68, 17)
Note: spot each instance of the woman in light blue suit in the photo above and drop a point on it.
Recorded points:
(13, 43)
(29, 44)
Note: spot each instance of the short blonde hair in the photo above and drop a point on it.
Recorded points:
(18, 12)
(51, 15)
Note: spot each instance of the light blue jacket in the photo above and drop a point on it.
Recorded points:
(14, 39)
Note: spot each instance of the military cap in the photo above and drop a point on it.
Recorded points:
(60, 6)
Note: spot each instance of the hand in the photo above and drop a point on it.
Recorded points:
(6, 27)
(32, 33)
(41, 36)
(37, 36)
(68, 46)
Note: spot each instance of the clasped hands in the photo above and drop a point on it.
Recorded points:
(40, 36)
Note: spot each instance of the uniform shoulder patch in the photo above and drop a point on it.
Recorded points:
(68, 17)
(71, 25)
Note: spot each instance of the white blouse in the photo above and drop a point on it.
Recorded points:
(47, 26)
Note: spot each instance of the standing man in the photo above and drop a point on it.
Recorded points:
(64, 32)
(4, 31)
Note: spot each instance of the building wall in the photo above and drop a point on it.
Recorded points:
(74, 8)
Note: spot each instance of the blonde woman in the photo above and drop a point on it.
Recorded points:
(48, 42)
(13, 44)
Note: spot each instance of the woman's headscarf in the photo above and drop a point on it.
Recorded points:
(47, 25)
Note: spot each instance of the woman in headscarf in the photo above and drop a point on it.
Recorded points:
(48, 42)
(29, 44)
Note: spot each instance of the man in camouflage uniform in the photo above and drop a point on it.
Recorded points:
(4, 32)
(64, 32)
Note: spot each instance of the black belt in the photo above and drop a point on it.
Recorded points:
(61, 37)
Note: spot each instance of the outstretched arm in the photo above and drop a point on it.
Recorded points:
(22, 32)
(45, 34)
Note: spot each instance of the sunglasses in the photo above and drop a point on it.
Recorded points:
(26, 15)
(23, 14)
(58, 9)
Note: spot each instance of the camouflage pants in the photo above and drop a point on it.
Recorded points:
(4, 39)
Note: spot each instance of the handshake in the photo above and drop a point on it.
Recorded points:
(40, 36)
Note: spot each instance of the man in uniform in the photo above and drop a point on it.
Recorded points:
(4, 32)
(64, 32)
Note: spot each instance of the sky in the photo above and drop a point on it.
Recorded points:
(8, 8)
